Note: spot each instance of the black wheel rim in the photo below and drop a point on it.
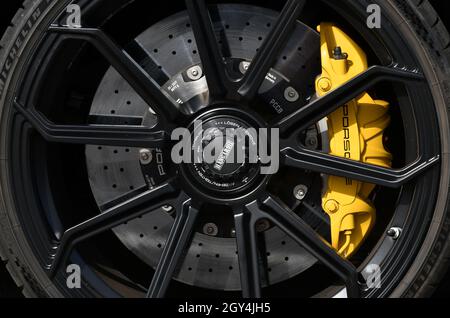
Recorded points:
(32, 132)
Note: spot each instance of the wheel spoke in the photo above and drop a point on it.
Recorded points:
(270, 49)
(147, 88)
(312, 113)
(178, 241)
(247, 245)
(208, 47)
(102, 135)
(355, 170)
(146, 202)
(304, 235)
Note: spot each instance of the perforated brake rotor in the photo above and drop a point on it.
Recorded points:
(211, 262)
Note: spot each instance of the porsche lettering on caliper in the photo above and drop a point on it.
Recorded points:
(355, 132)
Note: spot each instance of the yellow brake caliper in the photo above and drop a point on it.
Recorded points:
(356, 132)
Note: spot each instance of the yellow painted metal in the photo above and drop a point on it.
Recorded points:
(356, 132)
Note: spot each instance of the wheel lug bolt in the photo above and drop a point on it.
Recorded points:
(145, 156)
(300, 192)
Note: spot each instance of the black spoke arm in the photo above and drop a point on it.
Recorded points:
(146, 202)
(119, 136)
(322, 107)
(355, 170)
(127, 67)
(270, 49)
(208, 47)
(177, 243)
(305, 236)
(247, 246)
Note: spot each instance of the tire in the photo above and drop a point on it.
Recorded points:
(422, 28)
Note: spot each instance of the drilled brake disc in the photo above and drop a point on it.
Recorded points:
(211, 261)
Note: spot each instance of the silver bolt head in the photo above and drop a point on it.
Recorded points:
(167, 208)
(145, 156)
(210, 229)
(243, 67)
(291, 95)
(300, 192)
(195, 73)
(394, 232)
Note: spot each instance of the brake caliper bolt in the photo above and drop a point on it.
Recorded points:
(300, 192)
(394, 232)
(331, 206)
(211, 229)
(291, 95)
(145, 156)
(324, 84)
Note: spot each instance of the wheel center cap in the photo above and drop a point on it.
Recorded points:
(221, 147)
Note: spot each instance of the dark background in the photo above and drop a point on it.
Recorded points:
(7, 11)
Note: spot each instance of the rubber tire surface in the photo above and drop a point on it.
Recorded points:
(416, 17)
